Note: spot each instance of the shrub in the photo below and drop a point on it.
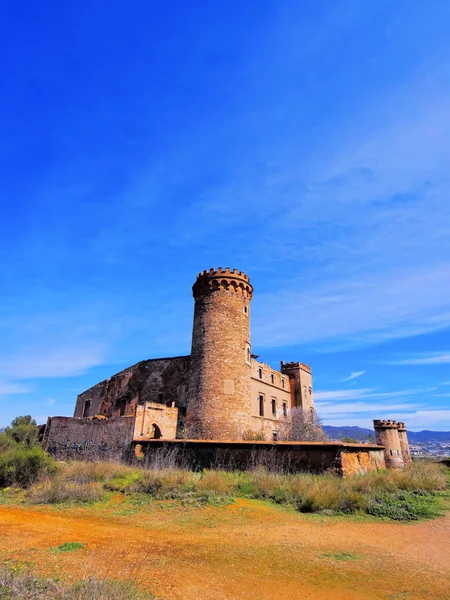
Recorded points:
(404, 506)
(22, 466)
(6, 443)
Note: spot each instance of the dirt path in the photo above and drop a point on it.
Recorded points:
(247, 551)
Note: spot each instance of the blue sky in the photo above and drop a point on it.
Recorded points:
(307, 144)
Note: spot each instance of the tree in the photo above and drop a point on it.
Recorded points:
(23, 430)
(302, 425)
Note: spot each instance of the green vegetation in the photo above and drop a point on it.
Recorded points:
(22, 461)
(19, 583)
(401, 495)
(340, 556)
(23, 430)
(68, 547)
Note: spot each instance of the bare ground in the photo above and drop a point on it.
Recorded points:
(247, 551)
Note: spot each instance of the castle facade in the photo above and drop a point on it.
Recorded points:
(220, 391)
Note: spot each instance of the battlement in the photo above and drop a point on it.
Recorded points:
(222, 279)
(227, 272)
(401, 426)
(295, 365)
(385, 424)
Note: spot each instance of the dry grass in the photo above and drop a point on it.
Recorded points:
(412, 489)
(55, 490)
(21, 584)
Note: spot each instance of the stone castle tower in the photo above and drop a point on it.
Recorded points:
(218, 394)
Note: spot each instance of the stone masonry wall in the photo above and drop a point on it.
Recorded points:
(88, 439)
(161, 380)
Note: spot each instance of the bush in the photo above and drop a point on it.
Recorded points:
(6, 443)
(23, 466)
(404, 506)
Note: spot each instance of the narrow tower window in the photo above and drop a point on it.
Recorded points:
(86, 408)
(272, 378)
(261, 405)
(274, 406)
(283, 381)
(284, 409)
(260, 373)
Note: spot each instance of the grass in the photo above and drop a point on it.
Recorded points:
(412, 494)
(68, 547)
(345, 556)
(23, 584)
(406, 495)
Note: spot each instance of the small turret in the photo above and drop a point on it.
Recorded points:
(386, 433)
(404, 444)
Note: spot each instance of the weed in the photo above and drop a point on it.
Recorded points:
(23, 584)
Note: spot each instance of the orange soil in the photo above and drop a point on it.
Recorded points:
(249, 551)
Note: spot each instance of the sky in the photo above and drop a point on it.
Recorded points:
(305, 143)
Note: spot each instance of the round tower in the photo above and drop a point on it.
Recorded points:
(218, 396)
(404, 444)
(386, 433)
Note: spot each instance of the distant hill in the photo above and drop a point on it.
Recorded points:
(359, 433)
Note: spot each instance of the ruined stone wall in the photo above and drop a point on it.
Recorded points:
(311, 457)
(161, 380)
(361, 460)
(88, 439)
(219, 394)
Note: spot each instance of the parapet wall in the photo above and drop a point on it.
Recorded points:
(311, 457)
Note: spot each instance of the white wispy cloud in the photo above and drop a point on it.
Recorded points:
(60, 361)
(11, 388)
(353, 375)
(431, 359)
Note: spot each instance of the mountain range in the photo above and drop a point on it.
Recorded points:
(359, 433)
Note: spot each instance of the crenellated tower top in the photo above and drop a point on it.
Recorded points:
(385, 424)
(222, 279)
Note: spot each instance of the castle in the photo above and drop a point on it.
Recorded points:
(221, 391)
(219, 405)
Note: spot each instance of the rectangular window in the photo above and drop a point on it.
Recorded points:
(260, 373)
(160, 397)
(274, 406)
(261, 405)
(283, 381)
(122, 407)
(86, 408)
(284, 409)
(272, 378)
